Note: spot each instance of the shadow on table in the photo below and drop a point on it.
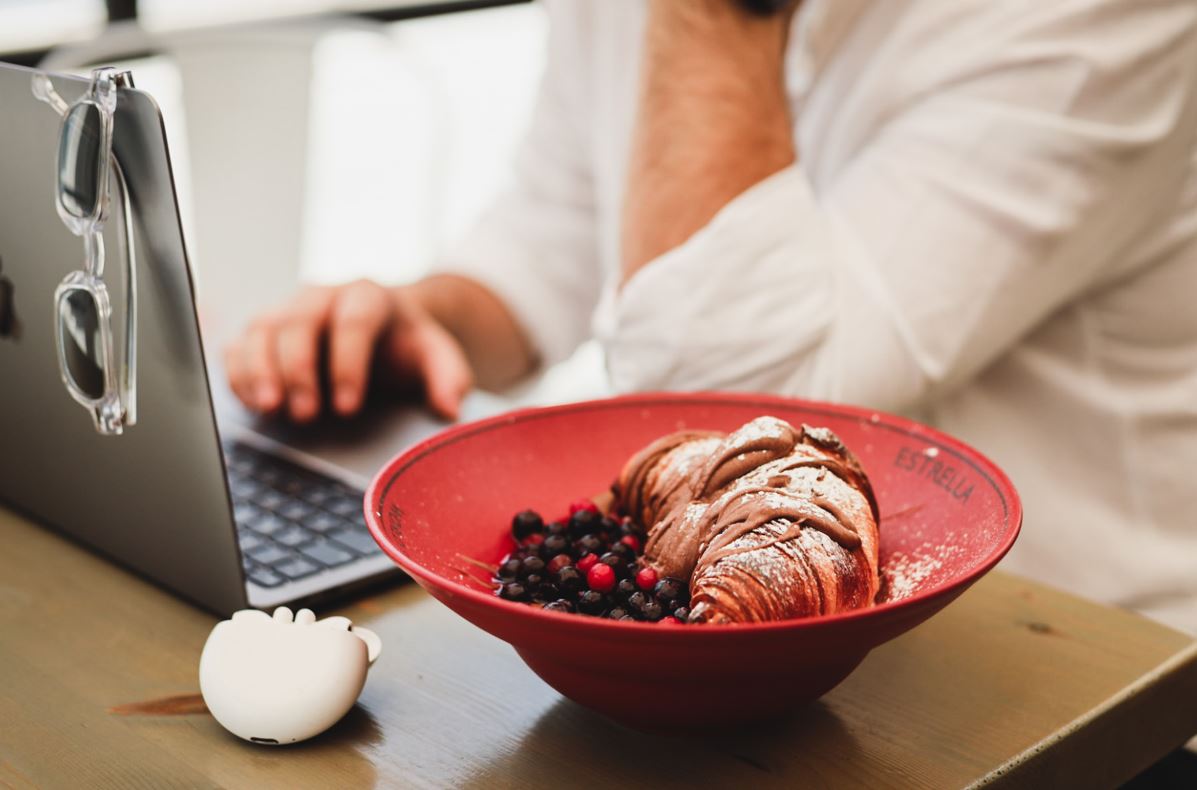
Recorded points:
(339, 757)
(358, 728)
(568, 739)
(1177, 771)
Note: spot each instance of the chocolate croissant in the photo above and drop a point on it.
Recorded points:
(767, 523)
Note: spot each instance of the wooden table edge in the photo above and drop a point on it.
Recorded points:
(1158, 711)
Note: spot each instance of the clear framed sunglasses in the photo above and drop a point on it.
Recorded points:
(85, 174)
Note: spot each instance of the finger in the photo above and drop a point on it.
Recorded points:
(298, 351)
(359, 315)
(445, 370)
(261, 369)
(236, 374)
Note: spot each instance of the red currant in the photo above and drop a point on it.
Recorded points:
(586, 562)
(646, 579)
(601, 577)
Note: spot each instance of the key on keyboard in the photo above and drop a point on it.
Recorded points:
(326, 553)
(265, 577)
(269, 554)
(293, 536)
(358, 540)
(297, 568)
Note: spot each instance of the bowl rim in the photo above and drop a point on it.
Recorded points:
(980, 463)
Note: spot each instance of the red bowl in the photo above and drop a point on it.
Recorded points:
(948, 515)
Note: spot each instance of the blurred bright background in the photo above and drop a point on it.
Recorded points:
(316, 140)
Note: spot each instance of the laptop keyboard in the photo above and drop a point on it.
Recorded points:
(292, 522)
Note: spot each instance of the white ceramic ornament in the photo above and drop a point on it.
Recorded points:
(277, 680)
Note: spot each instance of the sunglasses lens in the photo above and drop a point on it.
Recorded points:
(80, 318)
(78, 161)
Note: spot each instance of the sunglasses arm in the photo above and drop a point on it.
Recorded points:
(44, 91)
(128, 383)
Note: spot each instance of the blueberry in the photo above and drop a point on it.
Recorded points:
(583, 522)
(669, 589)
(616, 562)
(560, 605)
(553, 545)
(637, 601)
(513, 591)
(682, 613)
(629, 527)
(671, 605)
(509, 569)
(531, 565)
(588, 544)
(618, 613)
(555, 564)
(652, 611)
(592, 602)
(547, 591)
(607, 531)
(525, 523)
(624, 589)
(569, 580)
(624, 551)
(532, 582)
(556, 528)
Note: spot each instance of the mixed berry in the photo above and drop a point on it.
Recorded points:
(588, 564)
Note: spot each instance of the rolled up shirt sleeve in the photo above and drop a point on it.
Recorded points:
(536, 246)
(744, 303)
(1003, 189)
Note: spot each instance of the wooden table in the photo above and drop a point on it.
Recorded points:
(1013, 685)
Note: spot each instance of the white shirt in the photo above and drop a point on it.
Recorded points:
(992, 226)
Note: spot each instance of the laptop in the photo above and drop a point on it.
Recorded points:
(197, 495)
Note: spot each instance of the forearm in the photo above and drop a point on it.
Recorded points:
(498, 351)
(712, 120)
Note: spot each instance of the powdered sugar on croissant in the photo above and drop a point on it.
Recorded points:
(768, 522)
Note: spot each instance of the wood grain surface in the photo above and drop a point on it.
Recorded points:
(1013, 685)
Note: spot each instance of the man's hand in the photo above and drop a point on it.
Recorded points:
(275, 364)
(713, 119)
(441, 333)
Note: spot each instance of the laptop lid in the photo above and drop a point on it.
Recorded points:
(154, 498)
